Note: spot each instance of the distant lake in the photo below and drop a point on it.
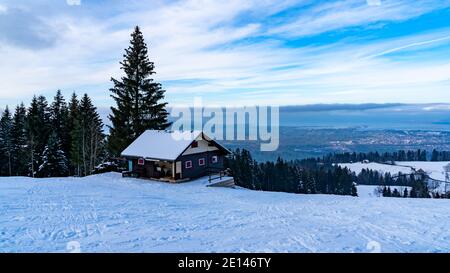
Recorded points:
(435, 117)
(404, 117)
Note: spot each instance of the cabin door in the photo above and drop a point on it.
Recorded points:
(149, 169)
(178, 173)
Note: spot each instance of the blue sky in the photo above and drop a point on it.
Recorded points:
(232, 52)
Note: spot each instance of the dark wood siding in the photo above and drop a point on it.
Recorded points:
(197, 170)
(146, 170)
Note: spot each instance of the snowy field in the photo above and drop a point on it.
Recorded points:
(365, 191)
(436, 170)
(107, 213)
(381, 168)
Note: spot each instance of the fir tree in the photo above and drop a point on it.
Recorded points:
(75, 137)
(413, 193)
(384, 192)
(32, 134)
(435, 155)
(137, 96)
(19, 142)
(54, 161)
(354, 190)
(59, 120)
(92, 137)
(389, 192)
(405, 193)
(396, 193)
(6, 143)
(38, 127)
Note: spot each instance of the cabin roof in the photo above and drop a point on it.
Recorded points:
(164, 145)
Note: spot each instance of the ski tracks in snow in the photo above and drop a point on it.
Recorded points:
(107, 213)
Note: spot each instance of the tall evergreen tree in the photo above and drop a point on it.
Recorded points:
(59, 120)
(6, 143)
(74, 123)
(37, 130)
(137, 96)
(54, 161)
(33, 125)
(19, 142)
(435, 155)
(92, 136)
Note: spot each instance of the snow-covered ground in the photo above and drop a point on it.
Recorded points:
(107, 213)
(381, 168)
(365, 191)
(435, 170)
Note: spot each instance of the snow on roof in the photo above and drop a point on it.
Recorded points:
(160, 144)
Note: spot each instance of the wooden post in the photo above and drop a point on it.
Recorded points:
(174, 170)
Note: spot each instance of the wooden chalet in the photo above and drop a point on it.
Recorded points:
(174, 156)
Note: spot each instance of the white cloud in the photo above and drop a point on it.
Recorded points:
(73, 2)
(193, 44)
(3, 8)
(374, 2)
(354, 13)
(412, 45)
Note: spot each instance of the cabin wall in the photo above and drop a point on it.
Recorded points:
(199, 171)
(146, 170)
(149, 169)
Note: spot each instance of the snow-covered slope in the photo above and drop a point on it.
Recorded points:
(107, 213)
(382, 168)
(365, 191)
(434, 169)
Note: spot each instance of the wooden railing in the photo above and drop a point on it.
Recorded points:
(132, 174)
(216, 173)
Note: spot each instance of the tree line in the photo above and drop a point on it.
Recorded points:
(401, 155)
(418, 190)
(440, 155)
(416, 182)
(321, 176)
(63, 139)
(307, 176)
(51, 140)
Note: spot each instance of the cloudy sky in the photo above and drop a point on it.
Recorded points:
(232, 52)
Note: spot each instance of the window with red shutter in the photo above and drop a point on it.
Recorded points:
(201, 162)
(188, 164)
(215, 159)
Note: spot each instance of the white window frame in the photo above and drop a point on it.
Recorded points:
(203, 160)
(141, 161)
(214, 159)
(188, 164)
